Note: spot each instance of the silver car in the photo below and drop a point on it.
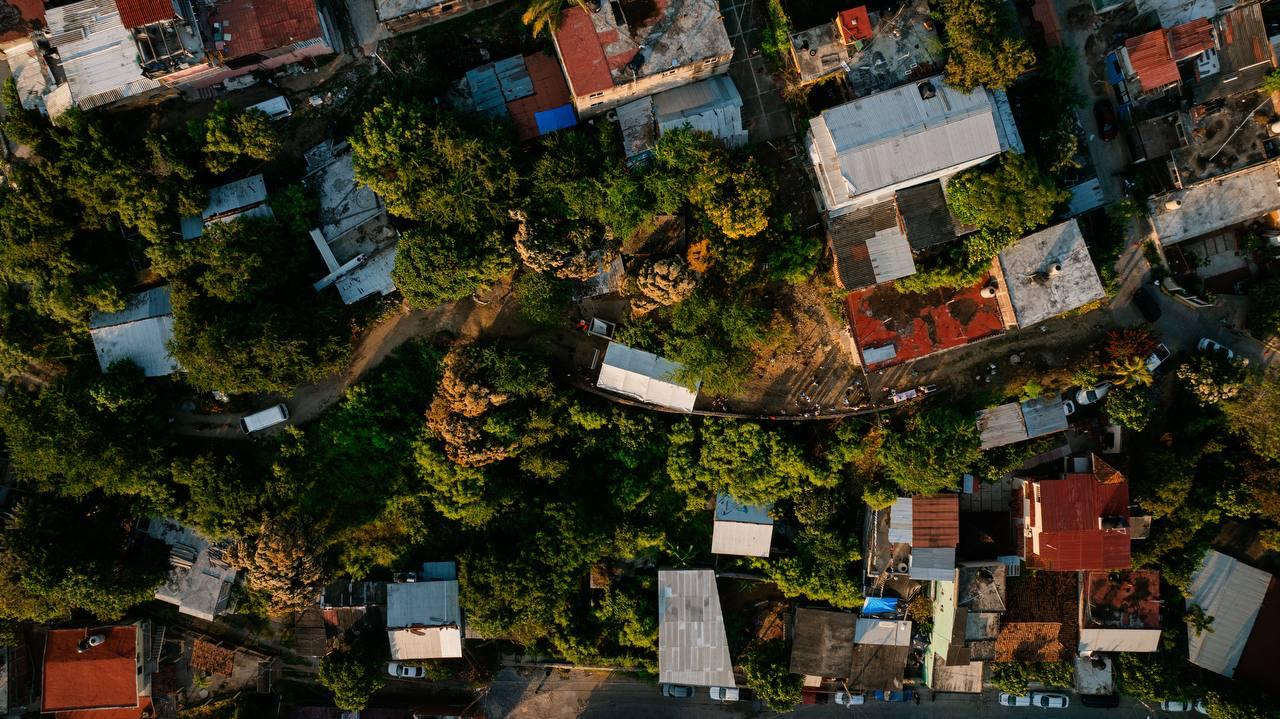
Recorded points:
(1090, 395)
(1047, 700)
(1013, 700)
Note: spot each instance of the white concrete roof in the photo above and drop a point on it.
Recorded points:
(1119, 640)
(645, 376)
(883, 632)
(1231, 593)
(1050, 272)
(425, 643)
(1216, 204)
(140, 332)
(692, 646)
(742, 539)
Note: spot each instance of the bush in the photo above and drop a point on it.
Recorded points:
(775, 40)
(1015, 677)
(767, 668)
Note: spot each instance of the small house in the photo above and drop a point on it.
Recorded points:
(1243, 603)
(140, 333)
(423, 618)
(693, 649)
(644, 376)
(101, 672)
(742, 530)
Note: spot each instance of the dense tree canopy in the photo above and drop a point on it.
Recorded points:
(980, 47)
(936, 447)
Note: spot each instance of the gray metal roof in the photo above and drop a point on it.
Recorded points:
(1216, 204)
(140, 332)
(1232, 593)
(513, 78)
(712, 105)
(422, 604)
(1050, 272)
(822, 643)
(878, 667)
(1044, 415)
(933, 563)
(692, 646)
(1001, 425)
(645, 376)
(925, 215)
(486, 92)
(235, 196)
(869, 246)
(97, 55)
(900, 521)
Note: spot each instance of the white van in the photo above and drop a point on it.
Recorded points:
(277, 108)
(266, 418)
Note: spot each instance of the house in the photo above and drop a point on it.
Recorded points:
(1078, 521)
(832, 47)
(890, 328)
(1244, 603)
(872, 50)
(242, 198)
(423, 619)
(355, 238)
(822, 644)
(880, 651)
(1217, 204)
(870, 246)
(200, 582)
(141, 332)
(1150, 61)
(741, 529)
(1048, 273)
(916, 537)
(1041, 618)
(621, 52)
(712, 106)
(1019, 421)
(864, 151)
(644, 376)
(529, 90)
(966, 621)
(99, 672)
(693, 649)
(399, 16)
(1119, 611)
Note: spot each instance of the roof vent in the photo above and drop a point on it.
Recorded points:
(988, 292)
(927, 90)
(903, 567)
(1055, 269)
(1275, 128)
(92, 640)
(1172, 204)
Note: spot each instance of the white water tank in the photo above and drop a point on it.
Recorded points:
(1172, 204)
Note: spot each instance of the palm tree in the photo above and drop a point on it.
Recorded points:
(1198, 620)
(542, 15)
(1132, 373)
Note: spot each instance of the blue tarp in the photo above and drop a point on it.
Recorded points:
(880, 605)
(555, 119)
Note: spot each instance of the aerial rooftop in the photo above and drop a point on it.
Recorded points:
(1216, 204)
(140, 332)
(1048, 273)
(1245, 605)
(693, 648)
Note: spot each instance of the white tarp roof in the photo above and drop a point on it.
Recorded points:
(645, 376)
(883, 632)
(1119, 640)
(140, 332)
(693, 648)
(1232, 594)
(742, 539)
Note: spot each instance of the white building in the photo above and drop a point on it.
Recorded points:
(645, 376)
(199, 582)
(743, 530)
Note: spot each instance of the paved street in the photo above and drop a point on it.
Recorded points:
(764, 113)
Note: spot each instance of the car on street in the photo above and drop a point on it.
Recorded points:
(847, 699)
(1175, 706)
(1208, 345)
(1013, 700)
(405, 671)
(724, 694)
(677, 691)
(1157, 357)
(1105, 113)
(1090, 395)
(1049, 700)
(1147, 304)
(885, 696)
(1068, 407)
(1100, 701)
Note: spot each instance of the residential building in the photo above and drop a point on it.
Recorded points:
(880, 651)
(242, 198)
(822, 646)
(966, 622)
(693, 649)
(742, 530)
(355, 238)
(871, 50)
(712, 106)
(1048, 273)
(832, 47)
(200, 582)
(644, 376)
(399, 16)
(916, 537)
(1150, 61)
(1019, 421)
(530, 91)
(1041, 620)
(622, 51)
(1078, 520)
(1217, 204)
(1244, 603)
(99, 672)
(423, 618)
(865, 150)
(141, 333)
(1120, 611)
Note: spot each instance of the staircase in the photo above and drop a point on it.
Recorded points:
(157, 643)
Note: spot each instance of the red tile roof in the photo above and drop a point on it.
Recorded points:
(549, 92)
(32, 11)
(1070, 536)
(102, 677)
(855, 24)
(260, 25)
(582, 52)
(1191, 38)
(1152, 60)
(135, 13)
(935, 521)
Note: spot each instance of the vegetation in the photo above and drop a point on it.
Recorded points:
(775, 39)
(1016, 677)
(353, 676)
(937, 446)
(766, 666)
(230, 135)
(980, 47)
(1264, 308)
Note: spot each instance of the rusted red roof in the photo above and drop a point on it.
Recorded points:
(135, 13)
(855, 24)
(1191, 38)
(101, 677)
(549, 92)
(1152, 60)
(582, 53)
(143, 709)
(32, 11)
(259, 25)
(935, 521)
(1071, 537)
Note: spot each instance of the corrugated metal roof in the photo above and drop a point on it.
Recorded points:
(1191, 38)
(822, 644)
(1050, 272)
(900, 521)
(141, 332)
(425, 643)
(134, 13)
(935, 521)
(1232, 593)
(235, 196)
(878, 667)
(97, 54)
(1001, 425)
(1216, 204)
(1119, 640)
(423, 604)
(486, 92)
(369, 277)
(890, 255)
(645, 376)
(925, 215)
(1070, 536)
(1152, 60)
(513, 77)
(692, 646)
(936, 564)
(849, 235)
(1044, 415)
(712, 105)
(885, 632)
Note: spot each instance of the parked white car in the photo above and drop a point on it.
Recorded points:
(405, 671)
(1208, 345)
(845, 699)
(1013, 700)
(1047, 700)
(1176, 706)
(1090, 395)
(724, 694)
(1068, 407)
(1157, 357)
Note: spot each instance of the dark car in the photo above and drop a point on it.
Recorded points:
(1105, 114)
(1100, 701)
(1147, 304)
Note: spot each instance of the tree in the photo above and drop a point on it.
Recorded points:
(1255, 413)
(766, 667)
(281, 560)
(572, 249)
(935, 448)
(980, 49)
(352, 676)
(735, 196)
(229, 134)
(1129, 407)
(1015, 677)
(224, 500)
(436, 166)
(434, 266)
(542, 298)
(1199, 621)
(1010, 200)
(753, 464)
(26, 127)
(661, 283)
(1264, 306)
(1271, 84)
(1132, 373)
(715, 339)
(1212, 378)
(542, 15)
(1124, 344)
(823, 568)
